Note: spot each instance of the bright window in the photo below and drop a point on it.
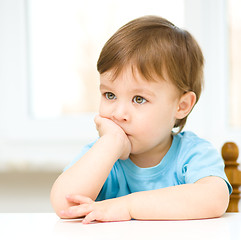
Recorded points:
(49, 83)
(234, 18)
(65, 39)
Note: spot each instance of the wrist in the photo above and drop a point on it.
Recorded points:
(114, 144)
(124, 145)
(128, 203)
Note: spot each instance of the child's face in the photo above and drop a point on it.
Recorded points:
(145, 110)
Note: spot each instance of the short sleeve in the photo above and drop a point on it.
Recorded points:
(200, 159)
(111, 186)
(115, 185)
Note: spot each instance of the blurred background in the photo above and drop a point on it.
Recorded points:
(49, 82)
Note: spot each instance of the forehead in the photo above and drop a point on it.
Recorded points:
(126, 80)
(130, 79)
(128, 73)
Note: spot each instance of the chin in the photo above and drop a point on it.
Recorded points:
(136, 151)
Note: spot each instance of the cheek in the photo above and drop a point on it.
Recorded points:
(154, 124)
(144, 125)
(104, 110)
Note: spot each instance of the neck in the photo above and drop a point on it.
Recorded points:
(152, 157)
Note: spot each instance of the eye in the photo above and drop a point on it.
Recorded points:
(110, 95)
(139, 100)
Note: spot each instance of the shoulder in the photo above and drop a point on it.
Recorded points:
(189, 142)
(190, 146)
(189, 137)
(197, 158)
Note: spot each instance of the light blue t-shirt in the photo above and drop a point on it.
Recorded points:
(189, 159)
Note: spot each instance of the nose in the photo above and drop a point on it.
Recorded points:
(121, 113)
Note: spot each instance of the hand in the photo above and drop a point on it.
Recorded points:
(106, 126)
(115, 209)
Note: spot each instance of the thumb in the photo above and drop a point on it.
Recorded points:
(97, 120)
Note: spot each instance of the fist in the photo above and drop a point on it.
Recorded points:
(106, 126)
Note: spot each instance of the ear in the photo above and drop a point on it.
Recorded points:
(185, 105)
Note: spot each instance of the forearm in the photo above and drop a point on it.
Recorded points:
(87, 176)
(189, 201)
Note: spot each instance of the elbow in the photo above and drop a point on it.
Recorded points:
(54, 202)
(214, 207)
(58, 201)
(219, 204)
(58, 205)
(215, 197)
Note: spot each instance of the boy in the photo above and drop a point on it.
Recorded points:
(151, 75)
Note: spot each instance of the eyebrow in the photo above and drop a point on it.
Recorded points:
(104, 86)
(137, 91)
(143, 91)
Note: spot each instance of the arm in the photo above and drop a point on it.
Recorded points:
(87, 176)
(207, 198)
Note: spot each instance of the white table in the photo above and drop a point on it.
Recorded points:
(48, 226)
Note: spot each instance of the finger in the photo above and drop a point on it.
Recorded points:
(97, 119)
(80, 199)
(89, 218)
(77, 211)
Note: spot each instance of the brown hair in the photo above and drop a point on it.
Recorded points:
(154, 45)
